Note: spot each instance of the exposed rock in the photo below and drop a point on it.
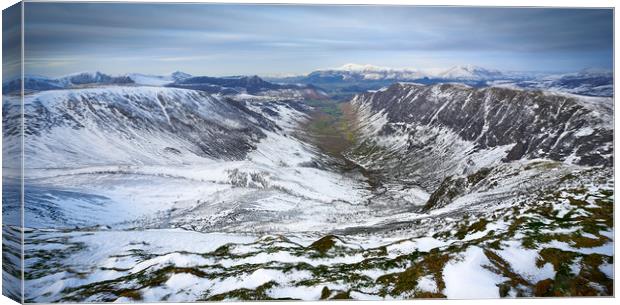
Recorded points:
(540, 125)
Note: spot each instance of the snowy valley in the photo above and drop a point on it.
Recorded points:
(187, 188)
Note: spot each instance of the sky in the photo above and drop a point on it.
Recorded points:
(225, 39)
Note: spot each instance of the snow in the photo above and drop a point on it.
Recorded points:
(118, 139)
(105, 243)
(245, 202)
(423, 244)
(466, 279)
(523, 261)
(470, 72)
(301, 292)
(123, 182)
(367, 297)
(287, 257)
(257, 278)
(178, 288)
(427, 283)
(372, 72)
(376, 273)
(101, 246)
(150, 80)
(607, 249)
(608, 269)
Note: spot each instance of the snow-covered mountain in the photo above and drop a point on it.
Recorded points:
(469, 72)
(233, 85)
(134, 125)
(357, 72)
(31, 82)
(88, 78)
(453, 129)
(178, 76)
(82, 145)
(253, 85)
(238, 84)
(159, 193)
(158, 80)
(592, 82)
(368, 72)
(40, 83)
(349, 79)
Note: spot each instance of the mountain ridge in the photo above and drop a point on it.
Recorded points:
(350, 79)
(435, 179)
(497, 116)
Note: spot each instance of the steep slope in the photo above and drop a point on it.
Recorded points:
(534, 124)
(153, 157)
(454, 140)
(135, 125)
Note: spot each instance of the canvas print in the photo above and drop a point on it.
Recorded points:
(180, 152)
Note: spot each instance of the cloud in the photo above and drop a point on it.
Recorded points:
(222, 36)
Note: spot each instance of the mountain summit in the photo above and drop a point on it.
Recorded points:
(470, 72)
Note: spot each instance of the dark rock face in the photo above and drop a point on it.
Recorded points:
(556, 127)
(252, 84)
(94, 78)
(244, 84)
(39, 83)
(452, 187)
(228, 85)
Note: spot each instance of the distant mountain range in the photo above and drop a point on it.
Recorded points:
(586, 82)
(353, 78)
(469, 72)
(369, 72)
(41, 83)
(340, 83)
(230, 85)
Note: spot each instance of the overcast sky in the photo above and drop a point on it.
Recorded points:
(208, 39)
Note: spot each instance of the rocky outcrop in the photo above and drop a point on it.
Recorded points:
(452, 187)
(538, 125)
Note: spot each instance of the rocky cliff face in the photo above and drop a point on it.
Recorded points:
(438, 136)
(535, 124)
